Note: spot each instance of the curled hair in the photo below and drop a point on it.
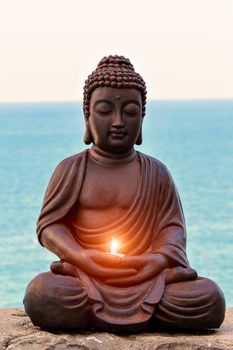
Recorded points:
(116, 72)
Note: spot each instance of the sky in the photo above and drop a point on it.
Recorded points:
(182, 48)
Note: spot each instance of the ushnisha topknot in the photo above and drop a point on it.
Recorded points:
(117, 72)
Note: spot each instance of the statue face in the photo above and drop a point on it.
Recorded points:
(115, 118)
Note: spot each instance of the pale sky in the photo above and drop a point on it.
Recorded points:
(182, 48)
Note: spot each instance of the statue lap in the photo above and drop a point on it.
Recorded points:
(56, 301)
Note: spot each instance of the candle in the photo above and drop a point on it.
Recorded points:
(114, 246)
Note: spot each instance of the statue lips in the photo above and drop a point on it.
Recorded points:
(118, 134)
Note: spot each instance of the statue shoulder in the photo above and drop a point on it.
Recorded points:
(70, 161)
(161, 168)
(67, 166)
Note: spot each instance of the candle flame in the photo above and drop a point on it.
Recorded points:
(114, 246)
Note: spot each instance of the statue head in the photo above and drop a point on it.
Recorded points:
(114, 72)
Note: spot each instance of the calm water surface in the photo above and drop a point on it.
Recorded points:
(193, 138)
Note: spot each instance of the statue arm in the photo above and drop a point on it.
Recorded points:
(170, 229)
(58, 239)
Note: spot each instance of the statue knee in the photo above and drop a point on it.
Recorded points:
(217, 304)
(197, 304)
(55, 301)
(34, 299)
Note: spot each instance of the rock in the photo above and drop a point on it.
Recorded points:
(18, 333)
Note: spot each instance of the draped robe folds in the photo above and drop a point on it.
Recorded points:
(154, 223)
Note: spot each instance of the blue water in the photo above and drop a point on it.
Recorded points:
(193, 138)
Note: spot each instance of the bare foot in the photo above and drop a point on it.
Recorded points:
(180, 274)
(64, 268)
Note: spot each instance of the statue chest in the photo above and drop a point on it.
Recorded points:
(106, 194)
(108, 187)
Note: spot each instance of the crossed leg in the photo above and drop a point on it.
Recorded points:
(57, 301)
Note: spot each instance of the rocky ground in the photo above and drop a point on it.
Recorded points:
(18, 333)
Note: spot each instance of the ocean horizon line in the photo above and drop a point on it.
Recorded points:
(148, 100)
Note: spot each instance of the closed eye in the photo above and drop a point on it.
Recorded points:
(104, 112)
(132, 109)
(103, 108)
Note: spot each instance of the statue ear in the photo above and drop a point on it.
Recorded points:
(139, 139)
(88, 139)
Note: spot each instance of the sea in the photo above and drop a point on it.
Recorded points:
(193, 138)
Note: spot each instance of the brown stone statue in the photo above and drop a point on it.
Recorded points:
(112, 191)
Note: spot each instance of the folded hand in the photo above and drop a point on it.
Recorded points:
(147, 265)
(96, 264)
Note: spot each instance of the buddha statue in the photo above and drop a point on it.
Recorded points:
(113, 191)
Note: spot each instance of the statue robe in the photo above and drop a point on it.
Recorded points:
(154, 223)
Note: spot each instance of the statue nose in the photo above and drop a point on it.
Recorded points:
(118, 120)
